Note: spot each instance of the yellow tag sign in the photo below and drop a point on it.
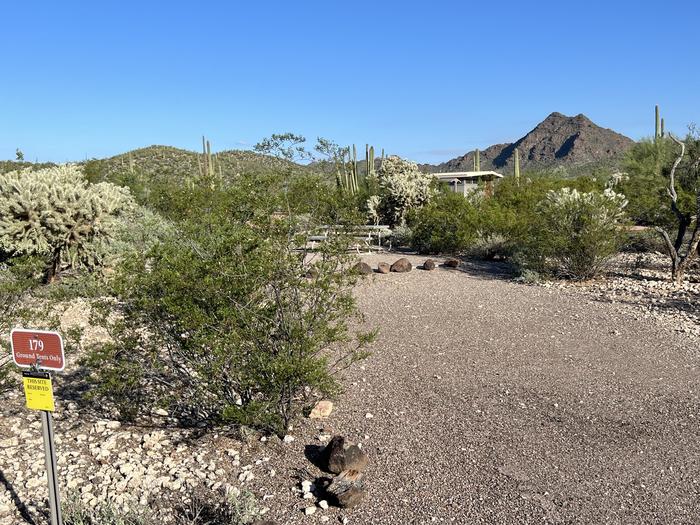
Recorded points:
(38, 391)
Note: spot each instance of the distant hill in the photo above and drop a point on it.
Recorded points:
(558, 141)
(175, 163)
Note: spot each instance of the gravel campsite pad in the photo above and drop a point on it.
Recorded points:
(484, 401)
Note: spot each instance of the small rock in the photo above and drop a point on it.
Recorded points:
(403, 265)
(451, 263)
(288, 439)
(383, 267)
(309, 511)
(362, 268)
(323, 504)
(347, 489)
(321, 410)
(342, 455)
(429, 264)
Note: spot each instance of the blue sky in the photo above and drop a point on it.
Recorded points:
(425, 80)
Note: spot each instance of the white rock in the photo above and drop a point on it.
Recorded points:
(288, 438)
(323, 504)
(309, 511)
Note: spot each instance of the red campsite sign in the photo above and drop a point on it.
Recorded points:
(28, 346)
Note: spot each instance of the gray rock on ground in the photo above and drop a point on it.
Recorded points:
(403, 265)
(362, 268)
(347, 489)
(429, 264)
(343, 455)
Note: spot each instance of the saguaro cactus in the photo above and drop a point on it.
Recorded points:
(477, 160)
(657, 130)
(516, 159)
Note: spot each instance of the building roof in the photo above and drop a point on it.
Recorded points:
(459, 175)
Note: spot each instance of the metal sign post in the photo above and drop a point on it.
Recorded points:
(31, 349)
(51, 474)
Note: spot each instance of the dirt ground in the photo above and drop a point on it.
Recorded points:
(498, 402)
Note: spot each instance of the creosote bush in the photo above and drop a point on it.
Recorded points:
(447, 224)
(575, 233)
(220, 323)
(18, 277)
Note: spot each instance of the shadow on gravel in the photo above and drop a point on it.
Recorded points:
(489, 270)
(315, 455)
(21, 507)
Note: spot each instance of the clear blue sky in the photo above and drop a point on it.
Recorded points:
(425, 80)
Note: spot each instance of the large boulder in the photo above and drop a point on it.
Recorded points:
(383, 267)
(362, 268)
(401, 266)
(342, 455)
(429, 264)
(347, 489)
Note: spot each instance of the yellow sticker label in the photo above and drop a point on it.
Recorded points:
(39, 393)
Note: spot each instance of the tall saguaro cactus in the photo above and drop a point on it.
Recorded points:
(516, 159)
(477, 160)
(657, 129)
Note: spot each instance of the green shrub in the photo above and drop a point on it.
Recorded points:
(448, 224)
(75, 512)
(56, 214)
(220, 323)
(18, 277)
(209, 508)
(575, 233)
(402, 236)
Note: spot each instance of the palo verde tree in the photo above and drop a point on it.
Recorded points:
(54, 213)
(681, 251)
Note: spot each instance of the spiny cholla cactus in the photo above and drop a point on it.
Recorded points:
(402, 186)
(56, 214)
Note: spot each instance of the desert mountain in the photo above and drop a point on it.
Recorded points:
(556, 141)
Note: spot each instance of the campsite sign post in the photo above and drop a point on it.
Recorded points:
(41, 352)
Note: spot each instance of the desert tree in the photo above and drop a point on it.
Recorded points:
(682, 252)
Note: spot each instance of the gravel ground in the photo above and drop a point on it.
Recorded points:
(496, 402)
(485, 401)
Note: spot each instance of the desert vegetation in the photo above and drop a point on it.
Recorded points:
(218, 310)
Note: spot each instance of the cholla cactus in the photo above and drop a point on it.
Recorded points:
(402, 186)
(56, 214)
(373, 209)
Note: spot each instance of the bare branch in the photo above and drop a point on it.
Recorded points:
(672, 176)
(669, 245)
